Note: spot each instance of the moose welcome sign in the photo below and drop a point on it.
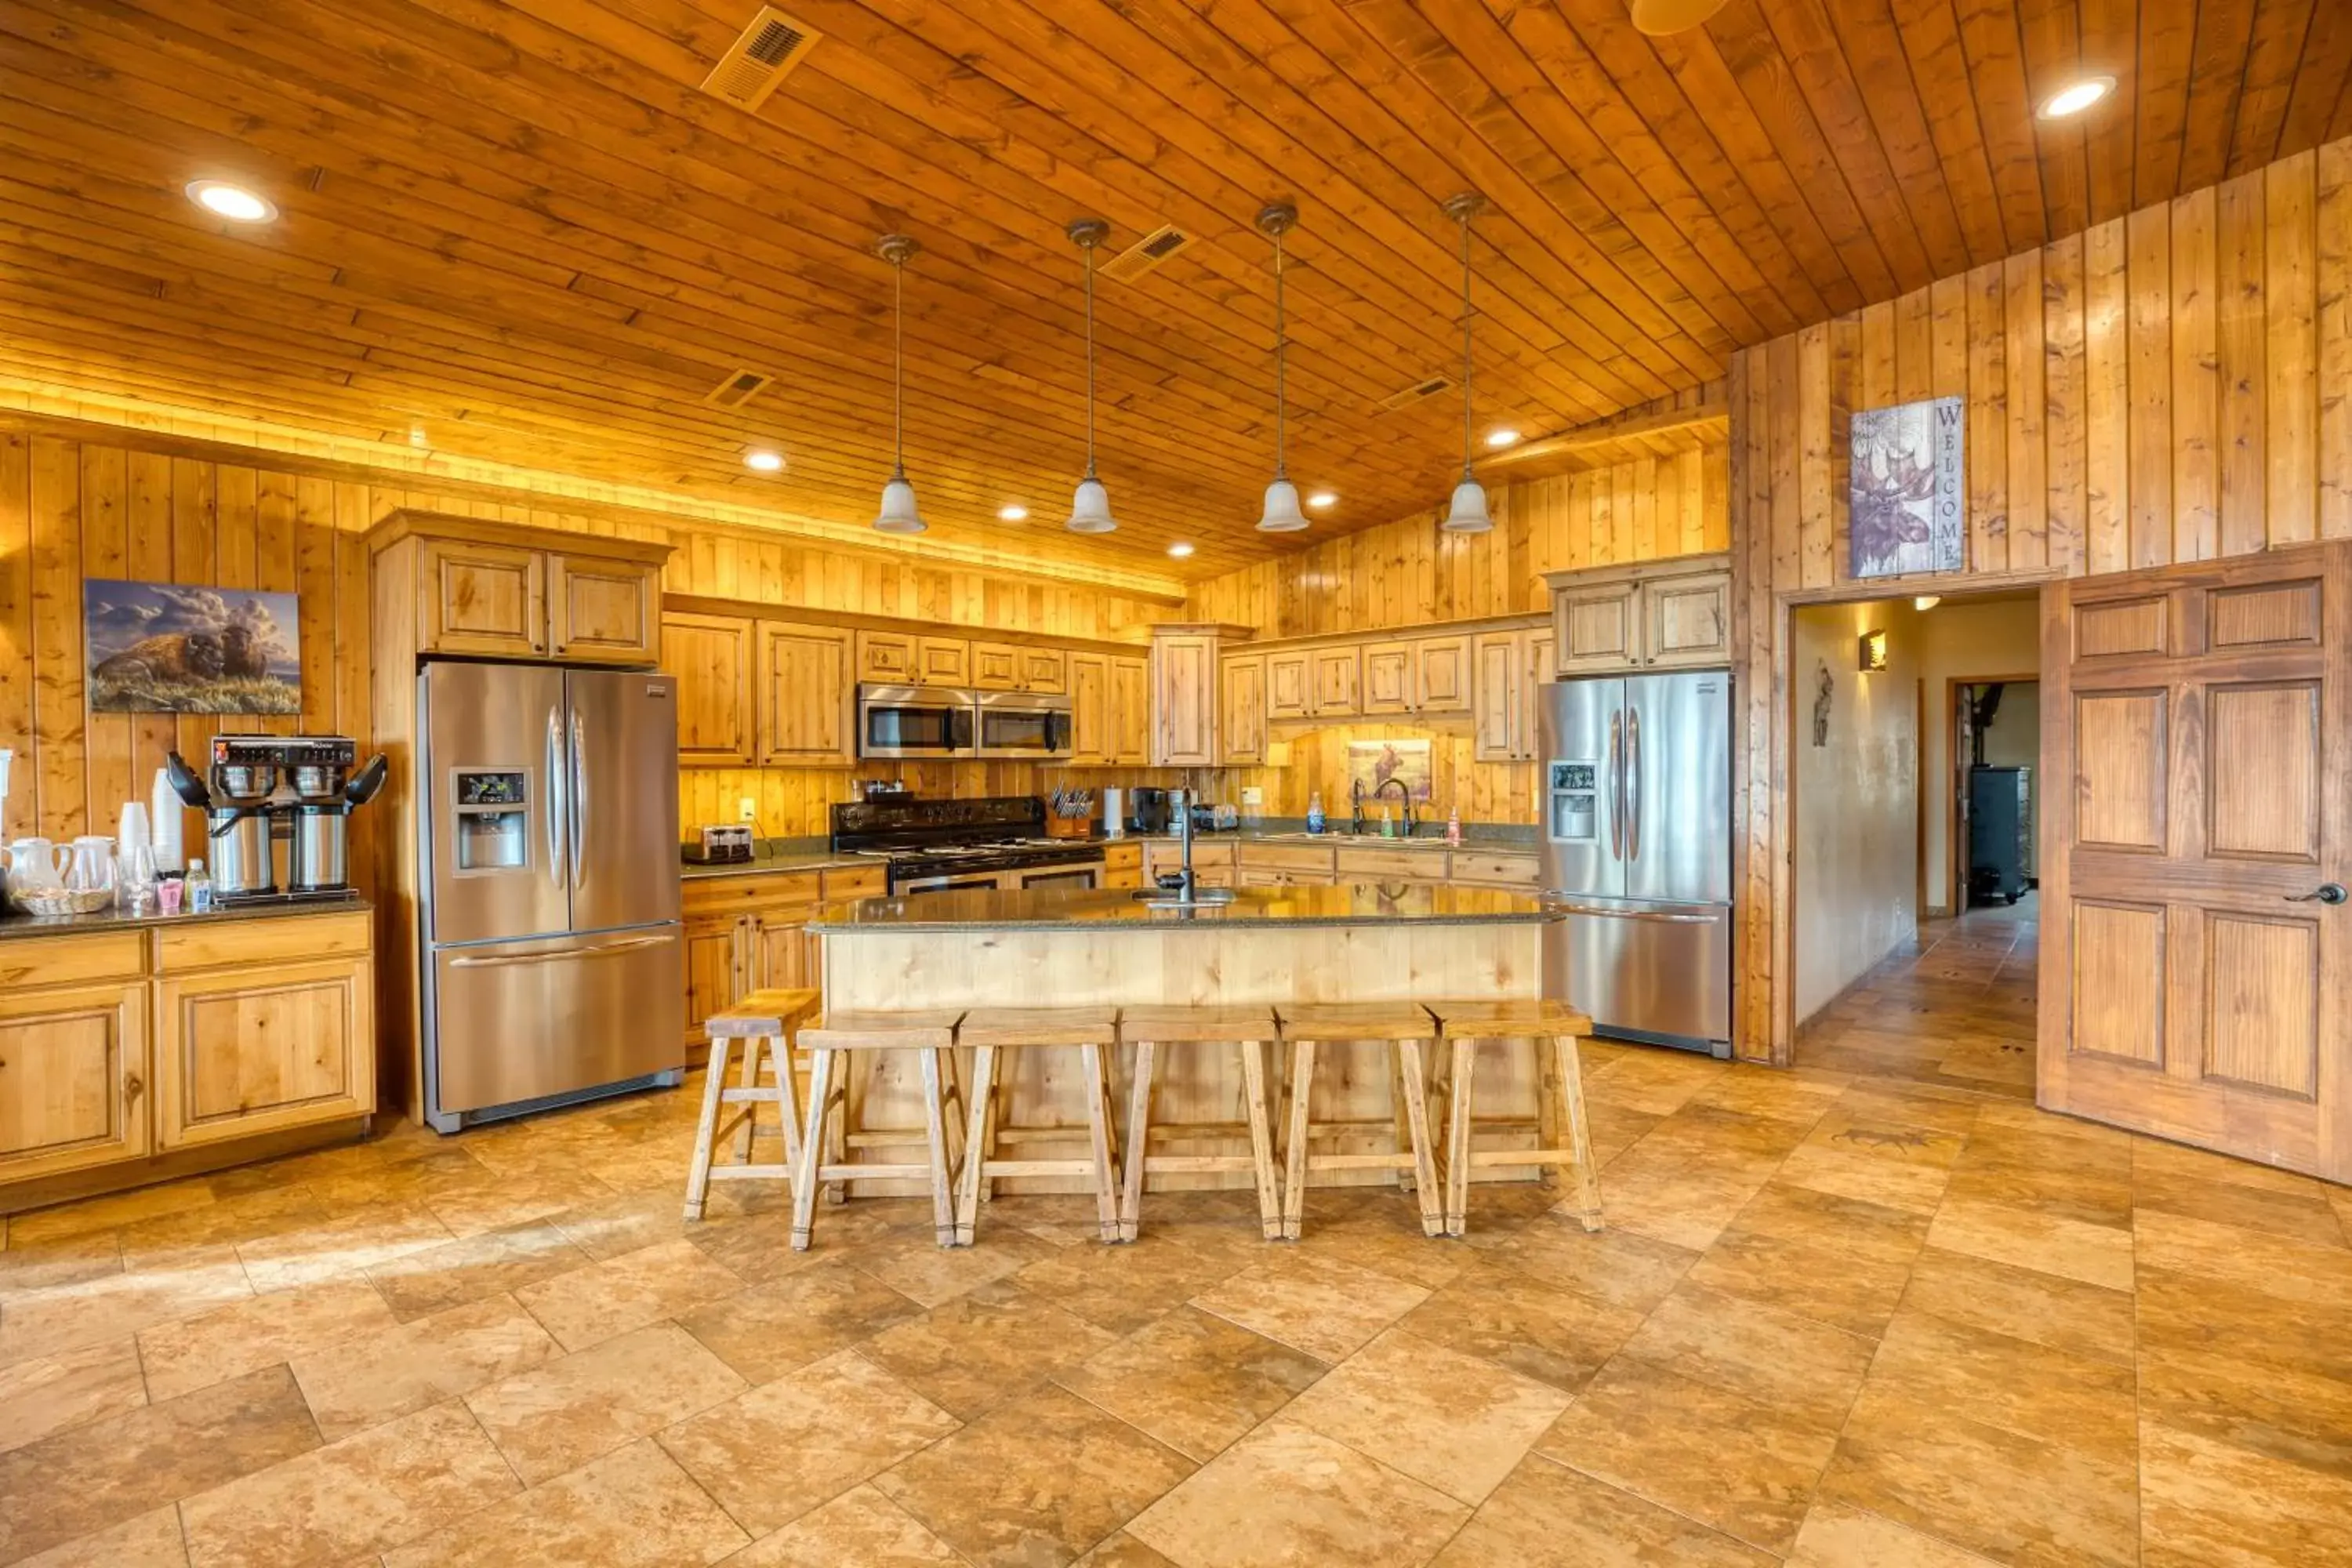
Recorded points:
(1906, 512)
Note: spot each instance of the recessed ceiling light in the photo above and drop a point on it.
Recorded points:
(2075, 97)
(1179, 550)
(1502, 437)
(232, 201)
(761, 460)
(1012, 511)
(1321, 500)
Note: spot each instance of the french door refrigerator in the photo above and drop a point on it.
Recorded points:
(1637, 849)
(553, 951)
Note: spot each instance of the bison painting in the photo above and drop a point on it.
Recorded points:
(165, 648)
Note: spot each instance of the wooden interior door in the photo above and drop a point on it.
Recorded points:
(2197, 944)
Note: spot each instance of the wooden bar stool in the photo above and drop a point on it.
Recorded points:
(986, 1031)
(1402, 1026)
(827, 1141)
(1249, 1030)
(766, 1022)
(1560, 1103)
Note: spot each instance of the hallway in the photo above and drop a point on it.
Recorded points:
(1957, 1009)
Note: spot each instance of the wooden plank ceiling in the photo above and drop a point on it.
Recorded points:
(519, 231)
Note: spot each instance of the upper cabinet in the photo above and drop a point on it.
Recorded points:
(1241, 709)
(1129, 718)
(498, 590)
(1289, 693)
(712, 658)
(804, 719)
(1110, 709)
(1184, 696)
(1508, 669)
(1663, 615)
(1415, 675)
(911, 659)
(1015, 666)
(1336, 677)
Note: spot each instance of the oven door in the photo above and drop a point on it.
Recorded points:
(1085, 876)
(1021, 726)
(956, 882)
(915, 721)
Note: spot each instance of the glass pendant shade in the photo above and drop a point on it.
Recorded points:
(1282, 514)
(898, 514)
(1090, 508)
(1467, 514)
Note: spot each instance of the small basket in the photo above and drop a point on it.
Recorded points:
(52, 902)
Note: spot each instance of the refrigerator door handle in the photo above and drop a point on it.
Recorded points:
(1633, 790)
(1659, 917)
(579, 802)
(506, 959)
(1616, 786)
(555, 809)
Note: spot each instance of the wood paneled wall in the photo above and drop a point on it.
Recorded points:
(1410, 574)
(2169, 386)
(74, 504)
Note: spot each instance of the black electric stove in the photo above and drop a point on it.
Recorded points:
(934, 845)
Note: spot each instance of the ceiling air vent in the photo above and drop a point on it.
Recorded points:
(1146, 254)
(753, 65)
(738, 389)
(1415, 394)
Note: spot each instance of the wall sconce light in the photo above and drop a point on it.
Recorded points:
(1874, 651)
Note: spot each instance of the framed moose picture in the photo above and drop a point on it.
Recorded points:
(1907, 510)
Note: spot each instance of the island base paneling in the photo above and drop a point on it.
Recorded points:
(1199, 966)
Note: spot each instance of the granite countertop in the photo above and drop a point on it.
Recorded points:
(780, 854)
(1480, 836)
(13, 925)
(1103, 909)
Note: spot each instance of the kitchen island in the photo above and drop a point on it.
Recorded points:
(1278, 946)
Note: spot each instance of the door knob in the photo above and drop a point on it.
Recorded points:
(2325, 893)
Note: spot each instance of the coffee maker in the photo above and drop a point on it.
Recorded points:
(263, 789)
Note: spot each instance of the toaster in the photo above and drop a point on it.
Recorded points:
(726, 844)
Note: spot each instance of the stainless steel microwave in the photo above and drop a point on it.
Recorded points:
(1014, 725)
(923, 721)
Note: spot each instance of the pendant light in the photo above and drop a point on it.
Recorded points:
(1467, 514)
(898, 514)
(1282, 514)
(1090, 505)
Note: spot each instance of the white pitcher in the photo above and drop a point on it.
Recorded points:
(36, 863)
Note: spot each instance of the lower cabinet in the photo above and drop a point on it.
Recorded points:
(748, 933)
(239, 1051)
(73, 1078)
(119, 1045)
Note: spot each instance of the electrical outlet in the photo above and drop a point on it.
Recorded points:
(747, 810)
(1253, 795)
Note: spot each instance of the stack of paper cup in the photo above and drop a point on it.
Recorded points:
(166, 815)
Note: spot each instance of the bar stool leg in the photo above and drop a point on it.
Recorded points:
(1294, 1174)
(1569, 1076)
(1138, 1139)
(1107, 1195)
(697, 1171)
(788, 1093)
(751, 1126)
(1397, 1097)
(934, 1136)
(1269, 1194)
(973, 1173)
(1415, 1114)
(1458, 1142)
(814, 1142)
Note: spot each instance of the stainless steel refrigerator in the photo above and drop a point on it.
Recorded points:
(1637, 847)
(554, 961)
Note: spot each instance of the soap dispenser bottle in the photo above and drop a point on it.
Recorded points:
(1314, 811)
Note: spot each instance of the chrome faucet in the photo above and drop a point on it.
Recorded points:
(1182, 800)
(1404, 799)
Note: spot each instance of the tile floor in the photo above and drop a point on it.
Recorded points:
(1956, 1009)
(1835, 1320)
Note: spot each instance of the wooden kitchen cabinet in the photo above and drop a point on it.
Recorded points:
(1091, 742)
(887, 658)
(1388, 677)
(805, 697)
(1663, 615)
(1044, 670)
(603, 611)
(1129, 715)
(1440, 674)
(942, 661)
(1241, 709)
(247, 1049)
(1183, 698)
(714, 658)
(747, 931)
(1289, 684)
(73, 1074)
(1338, 675)
(488, 599)
(501, 590)
(1500, 711)
(1122, 865)
(1013, 667)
